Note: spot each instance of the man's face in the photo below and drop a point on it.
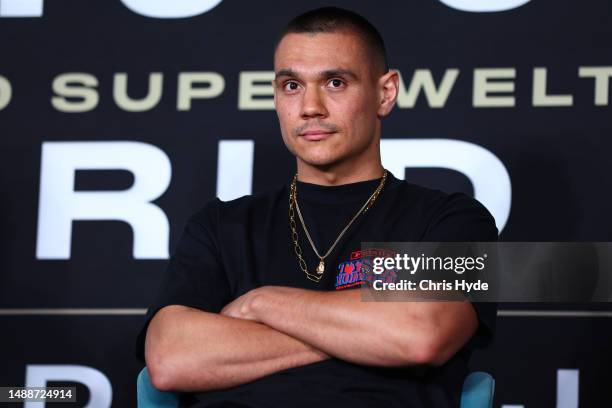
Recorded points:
(326, 97)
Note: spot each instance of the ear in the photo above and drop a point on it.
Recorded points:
(388, 86)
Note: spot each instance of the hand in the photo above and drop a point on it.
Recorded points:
(253, 304)
(243, 306)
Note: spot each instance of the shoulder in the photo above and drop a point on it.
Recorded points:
(240, 208)
(449, 216)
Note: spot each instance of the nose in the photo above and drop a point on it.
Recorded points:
(313, 104)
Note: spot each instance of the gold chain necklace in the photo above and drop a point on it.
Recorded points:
(316, 277)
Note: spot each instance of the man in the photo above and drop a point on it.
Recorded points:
(254, 311)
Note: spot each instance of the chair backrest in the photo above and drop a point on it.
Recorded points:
(478, 389)
(150, 397)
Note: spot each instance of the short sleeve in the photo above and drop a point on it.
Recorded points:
(194, 276)
(461, 218)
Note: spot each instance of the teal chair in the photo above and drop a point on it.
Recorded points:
(477, 392)
(150, 397)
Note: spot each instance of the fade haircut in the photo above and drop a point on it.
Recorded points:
(334, 19)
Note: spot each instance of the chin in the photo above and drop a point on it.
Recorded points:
(320, 160)
(319, 154)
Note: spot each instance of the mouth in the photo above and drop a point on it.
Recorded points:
(315, 135)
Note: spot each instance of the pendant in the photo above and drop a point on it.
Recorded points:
(321, 268)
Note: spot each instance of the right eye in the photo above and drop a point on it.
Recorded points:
(290, 86)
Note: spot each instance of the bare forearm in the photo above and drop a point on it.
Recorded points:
(372, 333)
(191, 350)
(333, 326)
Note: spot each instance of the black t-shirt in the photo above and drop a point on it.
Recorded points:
(229, 248)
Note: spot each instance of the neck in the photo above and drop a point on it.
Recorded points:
(338, 174)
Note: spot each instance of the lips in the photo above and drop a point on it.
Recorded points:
(314, 135)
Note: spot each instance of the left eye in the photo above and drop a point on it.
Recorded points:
(336, 83)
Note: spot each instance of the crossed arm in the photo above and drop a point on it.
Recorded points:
(273, 328)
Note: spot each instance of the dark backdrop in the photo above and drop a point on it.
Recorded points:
(526, 92)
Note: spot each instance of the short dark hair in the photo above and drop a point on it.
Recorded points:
(332, 19)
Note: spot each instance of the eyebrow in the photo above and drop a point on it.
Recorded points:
(338, 72)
